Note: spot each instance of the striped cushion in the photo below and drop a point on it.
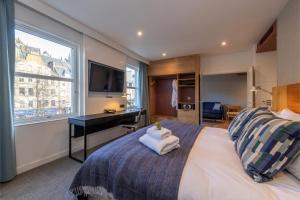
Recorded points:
(236, 126)
(270, 148)
(255, 123)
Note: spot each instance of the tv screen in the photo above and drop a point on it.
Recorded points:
(104, 78)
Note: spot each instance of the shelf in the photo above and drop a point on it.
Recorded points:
(181, 102)
(187, 79)
(186, 85)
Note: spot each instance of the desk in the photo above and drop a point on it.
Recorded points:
(232, 111)
(88, 124)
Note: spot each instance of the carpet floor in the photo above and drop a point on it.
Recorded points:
(48, 182)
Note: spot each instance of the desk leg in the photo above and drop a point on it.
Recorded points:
(84, 133)
(70, 140)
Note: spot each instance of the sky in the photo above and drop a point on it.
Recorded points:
(54, 49)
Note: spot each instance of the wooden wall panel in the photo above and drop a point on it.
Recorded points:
(197, 90)
(287, 96)
(163, 96)
(171, 66)
(152, 96)
(293, 97)
(279, 98)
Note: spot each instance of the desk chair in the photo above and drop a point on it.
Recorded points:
(134, 125)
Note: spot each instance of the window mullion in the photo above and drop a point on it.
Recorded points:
(37, 76)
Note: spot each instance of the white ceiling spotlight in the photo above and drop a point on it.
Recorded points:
(224, 43)
(164, 54)
(140, 33)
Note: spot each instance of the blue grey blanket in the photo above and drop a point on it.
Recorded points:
(130, 171)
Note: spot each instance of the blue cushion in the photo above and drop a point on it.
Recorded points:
(255, 123)
(236, 126)
(267, 149)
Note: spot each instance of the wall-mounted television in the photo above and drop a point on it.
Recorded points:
(104, 78)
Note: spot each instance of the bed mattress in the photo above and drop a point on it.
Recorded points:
(213, 171)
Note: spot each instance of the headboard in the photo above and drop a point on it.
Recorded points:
(286, 96)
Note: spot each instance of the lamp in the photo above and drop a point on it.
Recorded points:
(258, 88)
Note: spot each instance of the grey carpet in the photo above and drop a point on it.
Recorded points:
(48, 182)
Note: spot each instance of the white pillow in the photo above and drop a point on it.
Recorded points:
(217, 106)
(288, 114)
(294, 167)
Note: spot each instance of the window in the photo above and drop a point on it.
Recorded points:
(30, 92)
(30, 104)
(53, 92)
(22, 91)
(48, 64)
(45, 103)
(53, 103)
(132, 86)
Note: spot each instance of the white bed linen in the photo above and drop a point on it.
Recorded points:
(213, 172)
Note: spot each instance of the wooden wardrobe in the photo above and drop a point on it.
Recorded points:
(186, 70)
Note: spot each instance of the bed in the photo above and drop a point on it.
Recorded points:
(211, 171)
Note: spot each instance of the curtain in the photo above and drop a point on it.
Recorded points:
(143, 89)
(7, 67)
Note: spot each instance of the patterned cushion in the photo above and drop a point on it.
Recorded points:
(270, 148)
(236, 126)
(255, 123)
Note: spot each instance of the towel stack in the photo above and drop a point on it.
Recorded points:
(160, 140)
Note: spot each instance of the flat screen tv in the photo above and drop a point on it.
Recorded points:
(103, 78)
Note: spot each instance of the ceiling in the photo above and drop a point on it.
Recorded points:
(176, 27)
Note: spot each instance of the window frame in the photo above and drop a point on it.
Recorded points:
(136, 88)
(74, 80)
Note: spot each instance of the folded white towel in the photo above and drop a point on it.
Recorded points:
(159, 134)
(160, 146)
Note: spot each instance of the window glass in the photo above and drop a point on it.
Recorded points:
(44, 82)
(131, 77)
(35, 55)
(132, 86)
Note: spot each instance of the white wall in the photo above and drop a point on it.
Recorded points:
(265, 66)
(227, 63)
(288, 43)
(39, 143)
(98, 52)
(229, 89)
(265, 75)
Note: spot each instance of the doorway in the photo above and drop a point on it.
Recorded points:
(161, 97)
(227, 90)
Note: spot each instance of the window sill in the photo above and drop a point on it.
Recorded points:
(43, 120)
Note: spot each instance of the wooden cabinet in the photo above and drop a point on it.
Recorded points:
(186, 116)
(186, 70)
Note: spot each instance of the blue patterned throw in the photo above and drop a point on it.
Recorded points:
(127, 170)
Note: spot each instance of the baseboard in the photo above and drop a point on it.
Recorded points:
(53, 157)
(50, 158)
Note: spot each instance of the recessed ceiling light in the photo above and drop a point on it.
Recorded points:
(139, 33)
(224, 43)
(164, 54)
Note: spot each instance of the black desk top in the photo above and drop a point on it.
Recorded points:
(89, 119)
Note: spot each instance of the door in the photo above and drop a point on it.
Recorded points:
(250, 84)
